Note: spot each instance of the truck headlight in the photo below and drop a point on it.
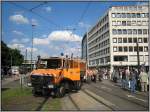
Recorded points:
(29, 84)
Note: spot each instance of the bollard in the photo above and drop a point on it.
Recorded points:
(21, 80)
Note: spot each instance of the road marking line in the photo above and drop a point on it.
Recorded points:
(131, 96)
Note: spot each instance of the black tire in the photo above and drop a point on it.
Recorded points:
(67, 87)
(44, 92)
(78, 85)
(34, 92)
(60, 92)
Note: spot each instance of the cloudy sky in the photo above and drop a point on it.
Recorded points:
(59, 26)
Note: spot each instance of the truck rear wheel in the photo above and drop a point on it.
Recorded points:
(78, 85)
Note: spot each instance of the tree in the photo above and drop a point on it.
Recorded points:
(17, 58)
(9, 55)
(5, 60)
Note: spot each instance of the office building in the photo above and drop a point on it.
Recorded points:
(112, 42)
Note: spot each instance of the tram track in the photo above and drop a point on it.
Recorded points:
(73, 102)
(131, 101)
(79, 104)
(110, 107)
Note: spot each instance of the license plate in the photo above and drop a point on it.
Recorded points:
(50, 86)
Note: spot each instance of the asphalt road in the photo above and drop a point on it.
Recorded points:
(122, 99)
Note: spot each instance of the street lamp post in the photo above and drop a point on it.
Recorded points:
(32, 47)
(138, 61)
(87, 47)
(138, 57)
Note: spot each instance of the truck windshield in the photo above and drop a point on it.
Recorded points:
(53, 63)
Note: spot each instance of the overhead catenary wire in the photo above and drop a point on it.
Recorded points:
(38, 6)
(83, 14)
(31, 11)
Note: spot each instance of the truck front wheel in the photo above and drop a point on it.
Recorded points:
(60, 92)
(34, 92)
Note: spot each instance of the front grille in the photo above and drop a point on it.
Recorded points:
(38, 80)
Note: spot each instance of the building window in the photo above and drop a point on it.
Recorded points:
(120, 58)
(134, 40)
(139, 23)
(133, 15)
(115, 49)
(113, 15)
(128, 15)
(118, 15)
(140, 40)
(125, 8)
(135, 48)
(129, 31)
(124, 40)
(128, 23)
(142, 15)
(120, 49)
(146, 15)
(139, 8)
(123, 15)
(114, 40)
(138, 15)
(145, 40)
(144, 23)
(130, 40)
(119, 23)
(124, 31)
(144, 31)
(114, 31)
(119, 31)
(101, 60)
(145, 48)
(134, 31)
(119, 40)
(123, 23)
(125, 49)
(133, 23)
(114, 23)
(141, 49)
(130, 49)
(139, 31)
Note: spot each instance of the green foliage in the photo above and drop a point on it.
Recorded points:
(15, 92)
(7, 54)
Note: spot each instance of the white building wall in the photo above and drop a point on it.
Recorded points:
(131, 55)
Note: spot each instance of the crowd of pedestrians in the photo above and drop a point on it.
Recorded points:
(130, 79)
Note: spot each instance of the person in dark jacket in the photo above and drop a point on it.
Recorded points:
(123, 79)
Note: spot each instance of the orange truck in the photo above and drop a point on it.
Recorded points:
(57, 75)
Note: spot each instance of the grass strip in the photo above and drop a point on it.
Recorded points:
(52, 104)
(15, 92)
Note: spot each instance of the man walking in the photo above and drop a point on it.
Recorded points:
(133, 81)
(143, 80)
